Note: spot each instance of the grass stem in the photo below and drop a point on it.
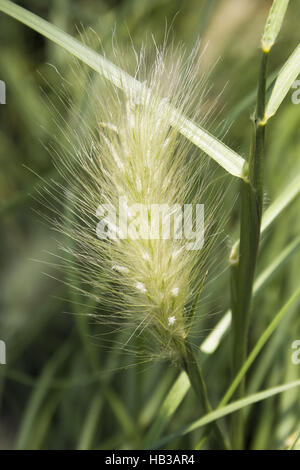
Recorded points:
(243, 264)
(194, 372)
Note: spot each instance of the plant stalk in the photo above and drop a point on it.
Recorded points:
(194, 372)
(243, 263)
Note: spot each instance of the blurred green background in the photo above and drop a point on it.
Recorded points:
(61, 388)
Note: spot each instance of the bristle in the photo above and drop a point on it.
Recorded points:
(131, 160)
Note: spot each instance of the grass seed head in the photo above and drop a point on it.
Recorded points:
(126, 156)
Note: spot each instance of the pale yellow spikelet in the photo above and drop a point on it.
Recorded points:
(130, 159)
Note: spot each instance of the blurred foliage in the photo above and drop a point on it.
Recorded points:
(61, 388)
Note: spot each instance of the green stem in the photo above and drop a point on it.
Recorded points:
(194, 372)
(243, 263)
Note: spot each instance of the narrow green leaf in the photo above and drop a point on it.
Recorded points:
(212, 341)
(226, 410)
(89, 429)
(258, 347)
(223, 155)
(169, 406)
(273, 24)
(150, 410)
(121, 413)
(281, 202)
(283, 83)
(38, 395)
(44, 421)
(296, 443)
(274, 267)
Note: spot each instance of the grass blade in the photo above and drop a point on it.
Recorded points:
(273, 24)
(283, 83)
(259, 345)
(38, 395)
(89, 428)
(280, 203)
(168, 408)
(274, 267)
(226, 410)
(212, 341)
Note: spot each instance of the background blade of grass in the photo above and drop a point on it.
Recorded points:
(259, 345)
(287, 195)
(283, 83)
(39, 395)
(211, 343)
(89, 427)
(174, 398)
(226, 410)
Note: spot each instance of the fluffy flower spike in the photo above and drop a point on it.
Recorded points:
(129, 155)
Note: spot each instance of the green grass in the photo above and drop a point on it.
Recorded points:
(58, 362)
